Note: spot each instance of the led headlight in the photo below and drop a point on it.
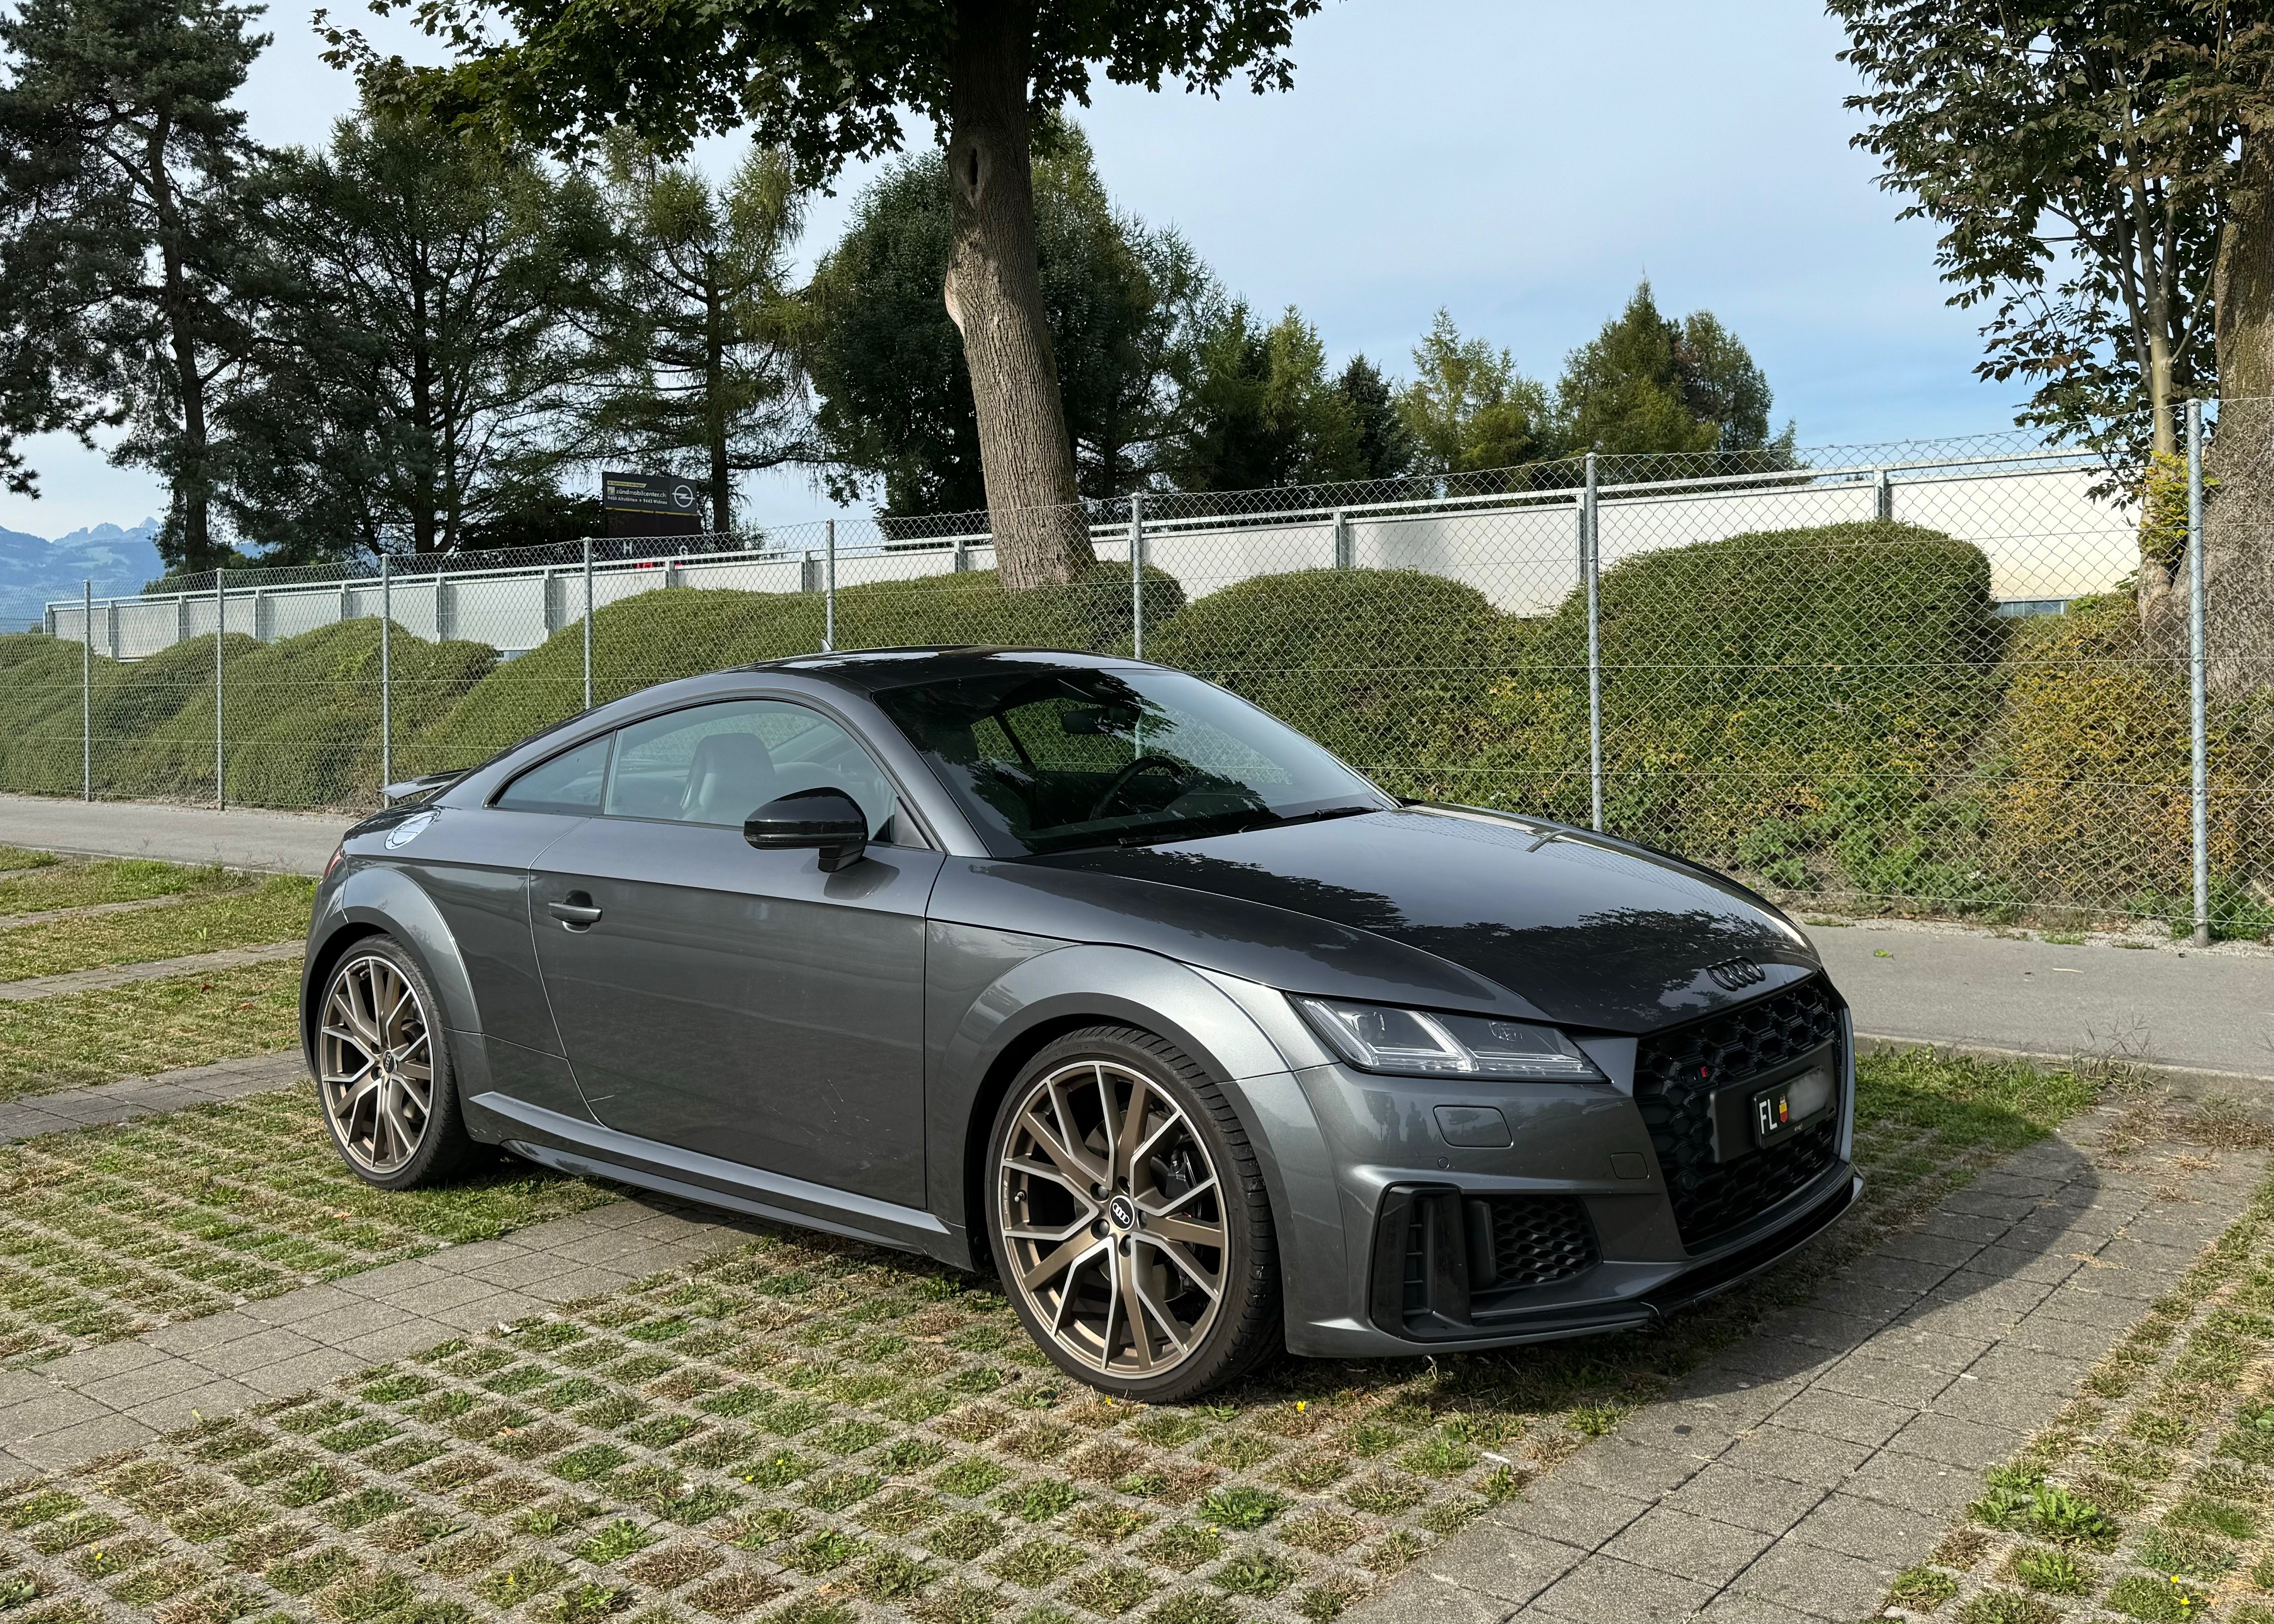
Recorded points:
(1379, 1037)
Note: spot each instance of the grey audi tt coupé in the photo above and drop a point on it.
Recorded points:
(1091, 971)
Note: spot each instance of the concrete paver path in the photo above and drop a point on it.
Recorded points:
(149, 970)
(131, 1097)
(1791, 1477)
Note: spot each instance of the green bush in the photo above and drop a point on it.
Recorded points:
(1369, 662)
(301, 714)
(683, 631)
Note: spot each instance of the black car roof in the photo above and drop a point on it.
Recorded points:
(871, 670)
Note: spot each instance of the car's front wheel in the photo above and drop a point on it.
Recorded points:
(383, 1070)
(1129, 1218)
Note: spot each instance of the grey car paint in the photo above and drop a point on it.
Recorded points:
(1200, 942)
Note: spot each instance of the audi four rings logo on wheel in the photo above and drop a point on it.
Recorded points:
(1086, 972)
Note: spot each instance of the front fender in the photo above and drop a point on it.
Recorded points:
(388, 899)
(1091, 982)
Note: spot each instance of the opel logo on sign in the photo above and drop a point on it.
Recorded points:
(1732, 973)
(683, 495)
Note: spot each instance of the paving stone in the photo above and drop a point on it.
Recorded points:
(1817, 1580)
(1920, 1247)
(198, 1403)
(1866, 1374)
(1799, 1457)
(1971, 1445)
(1445, 1601)
(1637, 1471)
(1602, 1587)
(287, 1377)
(121, 975)
(1744, 1498)
(1856, 1526)
(146, 1383)
(1688, 1546)
(265, 1348)
(1823, 1413)
(64, 1447)
(1914, 1483)
(1736, 1607)
(1584, 1520)
(1508, 1565)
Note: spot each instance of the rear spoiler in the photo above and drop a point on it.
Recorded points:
(419, 788)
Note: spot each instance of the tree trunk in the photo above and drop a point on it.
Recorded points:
(192, 474)
(2238, 509)
(995, 298)
(714, 399)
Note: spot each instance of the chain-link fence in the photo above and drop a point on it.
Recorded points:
(1950, 677)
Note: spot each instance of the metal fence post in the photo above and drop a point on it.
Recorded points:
(829, 587)
(2198, 731)
(587, 622)
(1137, 574)
(385, 676)
(1590, 553)
(86, 693)
(1883, 498)
(1344, 552)
(220, 625)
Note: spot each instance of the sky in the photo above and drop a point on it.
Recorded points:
(1519, 164)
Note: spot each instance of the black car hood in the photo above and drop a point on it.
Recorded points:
(1590, 931)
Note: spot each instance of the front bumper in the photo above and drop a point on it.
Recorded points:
(1603, 1207)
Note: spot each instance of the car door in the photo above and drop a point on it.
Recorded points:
(475, 863)
(737, 1002)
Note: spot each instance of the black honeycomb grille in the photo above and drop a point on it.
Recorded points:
(1676, 1074)
(1536, 1241)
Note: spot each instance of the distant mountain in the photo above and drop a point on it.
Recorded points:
(34, 570)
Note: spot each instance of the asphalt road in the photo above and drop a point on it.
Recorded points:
(2207, 1010)
(278, 842)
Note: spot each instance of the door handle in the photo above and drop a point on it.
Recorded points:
(576, 913)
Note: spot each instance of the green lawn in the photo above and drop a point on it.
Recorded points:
(129, 879)
(78, 1039)
(107, 1232)
(811, 1427)
(275, 910)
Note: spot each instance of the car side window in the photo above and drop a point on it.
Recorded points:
(717, 763)
(569, 783)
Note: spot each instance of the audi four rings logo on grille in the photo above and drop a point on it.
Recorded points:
(1731, 974)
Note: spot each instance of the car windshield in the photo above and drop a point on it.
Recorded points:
(1052, 761)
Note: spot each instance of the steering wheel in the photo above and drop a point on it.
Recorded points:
(1143, 763)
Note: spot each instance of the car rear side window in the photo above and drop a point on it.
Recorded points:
(569, 783)
(717, 763)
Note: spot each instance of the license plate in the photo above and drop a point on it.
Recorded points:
(1783, 1110)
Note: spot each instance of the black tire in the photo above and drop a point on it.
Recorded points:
(1165, 1197)
(367, 1134)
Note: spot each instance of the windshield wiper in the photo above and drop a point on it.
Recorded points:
(1233, 823)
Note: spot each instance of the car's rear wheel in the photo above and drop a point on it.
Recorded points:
(383, 1071)
(1130, 1219)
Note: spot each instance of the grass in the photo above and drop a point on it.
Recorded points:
(805, 1424)
(129, 879)
(14, 857)
(275, 910)
(77, 1039)
(107, 1232)
(2150, 1494)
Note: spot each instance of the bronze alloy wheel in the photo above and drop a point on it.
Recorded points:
(1113, 1219)
(375, 1063)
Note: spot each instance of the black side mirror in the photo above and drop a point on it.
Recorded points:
(827, 820)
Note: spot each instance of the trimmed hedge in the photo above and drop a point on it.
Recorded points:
(659, 636)
(302, 714)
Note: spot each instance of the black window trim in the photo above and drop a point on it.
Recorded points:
(904, 808)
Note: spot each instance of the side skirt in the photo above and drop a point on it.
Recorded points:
(572, 1144)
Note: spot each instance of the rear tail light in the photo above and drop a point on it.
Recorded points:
(339, 854)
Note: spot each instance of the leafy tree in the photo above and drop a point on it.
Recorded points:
(2076, 188)
(121, 235)
(1256, 408)
(420, 365)
(698, 324)
(1647, 383)
(896, 405)
(1468, 409)
(827, 80)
